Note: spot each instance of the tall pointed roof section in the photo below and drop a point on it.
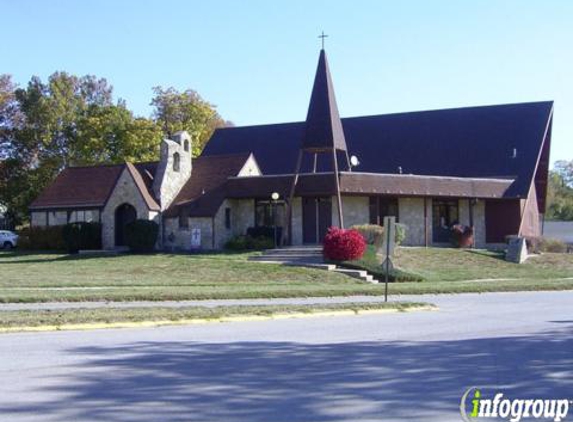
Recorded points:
(323, 129)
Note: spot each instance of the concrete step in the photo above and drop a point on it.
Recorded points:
(292, 251)
(291, 261)
(327, 267)
(359, 274)
(287, 257)
(317, 265)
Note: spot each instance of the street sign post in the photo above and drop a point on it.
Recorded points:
(388, 249)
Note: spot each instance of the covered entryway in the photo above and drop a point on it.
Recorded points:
(445, 213)
(124, 214)
(316, 218)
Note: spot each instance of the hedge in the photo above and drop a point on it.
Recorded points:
(264, 231)
(82, 235)
(141, 235)
(374, 234)
(244, 243)
(42, 238)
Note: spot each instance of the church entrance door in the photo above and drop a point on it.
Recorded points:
(124, 214)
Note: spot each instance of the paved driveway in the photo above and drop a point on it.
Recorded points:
(412, 366)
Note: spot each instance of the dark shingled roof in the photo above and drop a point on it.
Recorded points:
(204, 191)
(91, 186)
(368, 183)
(464, 142)
(80, 186)
(323, 129)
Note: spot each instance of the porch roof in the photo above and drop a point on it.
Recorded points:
(353, 183)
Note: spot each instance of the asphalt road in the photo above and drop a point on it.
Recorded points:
(411, 366)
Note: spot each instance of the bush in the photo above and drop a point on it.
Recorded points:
(82, 236)
(141, 235)
(264, 231)
(543, 244)
(552, 245)
(462, 236)
(237, 243)
(343, 245)
(42, 238)
(374, 234)
(400, 233)
(243, 243)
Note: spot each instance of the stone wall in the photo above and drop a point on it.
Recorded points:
(242, 217)
(479, 224)
(125, 192)
(297, 221)
(221, 232)
(355, 210)
(168, 182)
(411, 213)
(179, 239)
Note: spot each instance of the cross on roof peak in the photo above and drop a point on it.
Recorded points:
(322, 36)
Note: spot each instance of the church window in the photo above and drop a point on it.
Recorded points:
(183, 221)
(186, 145)
(227, 218)
(176, 161)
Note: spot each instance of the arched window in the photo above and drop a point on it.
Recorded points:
(176, 161)
(186, 145)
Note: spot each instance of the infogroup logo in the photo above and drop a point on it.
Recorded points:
(474, 405)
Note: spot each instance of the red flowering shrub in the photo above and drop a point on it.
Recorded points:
(343, 245)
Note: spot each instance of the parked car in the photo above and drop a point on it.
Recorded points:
(8, 239)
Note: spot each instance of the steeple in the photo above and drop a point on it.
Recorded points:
(323, 129)
(323, 134)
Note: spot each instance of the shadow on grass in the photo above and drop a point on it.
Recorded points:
(488, 253)
(32, 257)
(287, 381)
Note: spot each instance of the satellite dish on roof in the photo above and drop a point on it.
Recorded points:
(354, 161)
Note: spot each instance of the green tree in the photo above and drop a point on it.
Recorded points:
(69, 120)
(111, 134)
(175, 111)
(560, 191)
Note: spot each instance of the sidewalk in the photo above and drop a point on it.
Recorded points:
(428, 298)
(210, 303)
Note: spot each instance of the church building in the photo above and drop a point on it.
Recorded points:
(485, 167)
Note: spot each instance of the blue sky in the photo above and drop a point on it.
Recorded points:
(255, 60)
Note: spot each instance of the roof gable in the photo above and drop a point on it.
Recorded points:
(91, 186)
(144, 190)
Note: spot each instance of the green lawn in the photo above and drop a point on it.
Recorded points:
(444, 264)
(32, 277)
(41, 318)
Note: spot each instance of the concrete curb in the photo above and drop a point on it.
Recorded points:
(195, 321)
